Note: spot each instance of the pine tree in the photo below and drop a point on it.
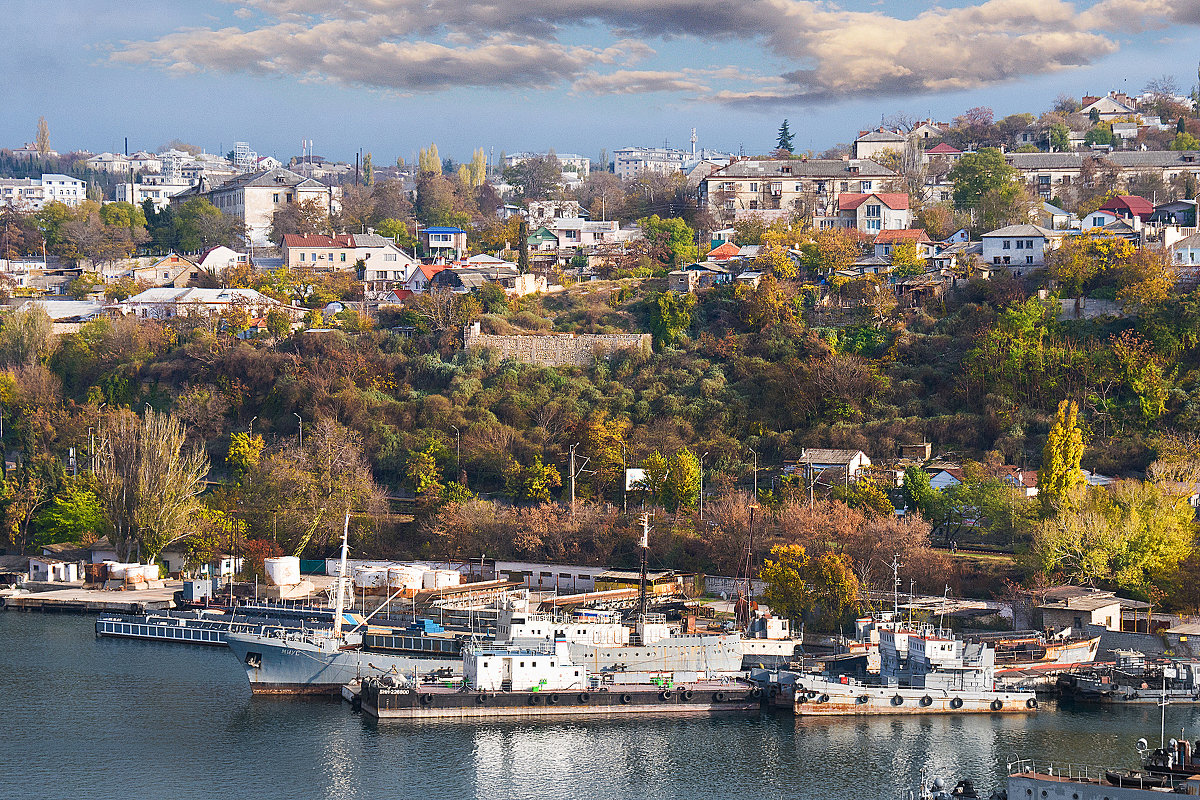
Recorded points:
(785, 137)
(523, 246)
(368, 168)
(1060, 471)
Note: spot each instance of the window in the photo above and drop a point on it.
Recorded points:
(302, 256)
(996, 259)
(727, 187)
(1007, 245)
(873, 225)
(1006, 259)
(343, 257)
(289, 197)
(1020, 244)
(866, 186)
(754, 187)
(1028, 259)
(1029, 244)
(873, 209)
(753, 204)
(275, 197)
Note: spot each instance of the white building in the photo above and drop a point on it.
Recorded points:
(188, 302)
(34, 193)
(788, 186)
(629, 161)
(574, 166)
(158, 189)
(1019, 245)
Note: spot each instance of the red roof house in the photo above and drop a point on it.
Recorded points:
(1129, 206)
(897, 201)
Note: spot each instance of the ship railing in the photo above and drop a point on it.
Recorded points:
(1084, 773)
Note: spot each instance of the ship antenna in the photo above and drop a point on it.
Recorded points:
(896, 585)
(942, 616)
(1162, 725)
(341, 582)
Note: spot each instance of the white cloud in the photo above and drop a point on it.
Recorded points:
(430, 45)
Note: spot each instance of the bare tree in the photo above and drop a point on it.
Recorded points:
(148, 482)
(43, 137)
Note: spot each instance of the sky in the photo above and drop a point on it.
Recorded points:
(391, 76)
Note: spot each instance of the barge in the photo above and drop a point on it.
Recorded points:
(527, 682)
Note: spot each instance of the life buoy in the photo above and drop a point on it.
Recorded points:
(956, 703)
(665, 695)
(926, 701)
(426, 699)
(533, 699)
(897, 700)
(719, 697)
(687, 694)
(626, 699)
(756, 692)
(585, 697)
(1031, 703)
(773, 692)
(997, 704)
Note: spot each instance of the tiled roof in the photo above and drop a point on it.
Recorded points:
(897, 201)
(943, 149)
(316, 240)
(727, 250)
(881, 136)
(903, 235)
(1024, 230)
(801, 168)
(1138, 206)
(1126, 159)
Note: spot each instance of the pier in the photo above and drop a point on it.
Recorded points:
(94, 601)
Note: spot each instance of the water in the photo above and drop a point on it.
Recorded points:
(108, 718)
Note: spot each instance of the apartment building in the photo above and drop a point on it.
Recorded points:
(780, 187)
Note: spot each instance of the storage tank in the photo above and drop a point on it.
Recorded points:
(116, 570)
(371, 578)
(440, 578)
(404, 579)
(282, 571)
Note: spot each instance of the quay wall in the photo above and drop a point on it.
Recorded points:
(556, 350)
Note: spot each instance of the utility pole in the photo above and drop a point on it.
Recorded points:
(299, 429)
(755, 452)
(645, 547)
(572, 470)
(705, 452)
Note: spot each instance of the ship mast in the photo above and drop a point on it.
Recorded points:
(341, 581)
(645, 546)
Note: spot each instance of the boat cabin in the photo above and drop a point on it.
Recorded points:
(523, 669)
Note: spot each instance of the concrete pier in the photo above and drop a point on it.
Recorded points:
(94, 601)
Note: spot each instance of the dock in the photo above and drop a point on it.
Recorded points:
(94, 601)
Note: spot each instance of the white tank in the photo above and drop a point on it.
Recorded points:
(371, 578)
(150, 572)
(282, 571)
(117, 570)
(440, 578)
(405, 578)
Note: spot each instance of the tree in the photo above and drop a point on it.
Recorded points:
(478, 169)
(919, 494)
(681, 489)
(797, 584)
(534, 483)
(1060, 472)
(368, 169)
(864, 495)
(84, 285)
(305, 218)
(1059, 138)
(1100, 134)
(279, 324)
(784, 139)
(536, 177)
(74, 515)
(671, 240)
(200, 225)
(148, 482)
(656, 467)
(906, 261)
(26, 336)
(245, 451)
(1185, 141)
(523, 246)
(42, 139)
(976, 174)
(671, 316)
(428, 161)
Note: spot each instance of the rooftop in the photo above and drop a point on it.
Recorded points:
(802, 168)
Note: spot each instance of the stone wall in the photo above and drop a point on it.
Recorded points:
(556, 350)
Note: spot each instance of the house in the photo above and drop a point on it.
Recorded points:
(1122, 229)
(1129, 206)
(383, 264)
(1186, 251)
(1077, 607)
(683, 281)
(1113, 106)
(165, 303)
(870, 144)
(710, 273)
(777, 188)
(1047, 173)
(48, 569)
(723, 252)
(629, 161)
(444, 242)
(253, 198)
(172, 271)
(1053, 217)
(220, 258)
(1021, 479)
(945, 152)
(33, 194)
(749, 278)
(543, 212)
(464, 279)
(420, 278)
(959, 254)
(542, 240)
(886, 241)
(66, 315)
(1019, 245)
(158, 189)
(874, 212)
(842, 466)
(1176, 212)
(1097, 219)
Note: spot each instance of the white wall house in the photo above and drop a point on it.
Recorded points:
(254, 198)
(1019, 245)
(168, 303)
(155, 188)
(34, 193)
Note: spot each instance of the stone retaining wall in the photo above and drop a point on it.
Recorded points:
(556, 350)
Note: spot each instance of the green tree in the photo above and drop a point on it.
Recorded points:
(671, 316)
(671, 240)
(199, 225)
(906, 261)
(865, 495)
(429, 160)
(84, 285)
(656, 467)
(1059, 138)
(523, 246)
(74, 515)
(1060, 471)
(797, 584)
(536, 177)
(919, 494)
(681, 489)
(279, 324)
(1185, 141)
(784, 139)
(245, 451)
(1101, 134)
(534, 483)
(368, 170)
(985, 179)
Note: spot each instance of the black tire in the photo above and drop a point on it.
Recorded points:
(719, 697)
(585, 697)
(626, 699)
(479, 699)
(687, 694)
(927, 701)
(665, 695)
(756, 692)
(1031, 703)
(997, 704)
(773, 692)
(956, 703)
(533, 699)
(862, 698)
(897, 700)
(823, 698)
(426, 699)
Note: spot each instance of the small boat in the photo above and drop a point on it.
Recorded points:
(1134, 779)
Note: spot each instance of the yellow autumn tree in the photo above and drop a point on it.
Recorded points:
(1060, 471)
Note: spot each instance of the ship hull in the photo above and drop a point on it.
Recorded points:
(707, 654)
(829, 699)
(700, 700)
(289, 667)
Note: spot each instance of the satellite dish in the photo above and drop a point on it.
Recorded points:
(938, 784)
(1142, 744)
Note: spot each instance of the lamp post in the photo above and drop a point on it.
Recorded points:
(252, 425)
(299, 429)
(755, 452)
(702, 485)
(458, 454)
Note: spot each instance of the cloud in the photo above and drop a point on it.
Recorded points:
(832, 53)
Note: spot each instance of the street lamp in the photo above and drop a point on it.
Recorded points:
(458, 453)
(755, 452)
(252, 425)
(299, 429)
(702, 485)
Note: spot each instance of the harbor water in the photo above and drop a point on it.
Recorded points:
(90, 717)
